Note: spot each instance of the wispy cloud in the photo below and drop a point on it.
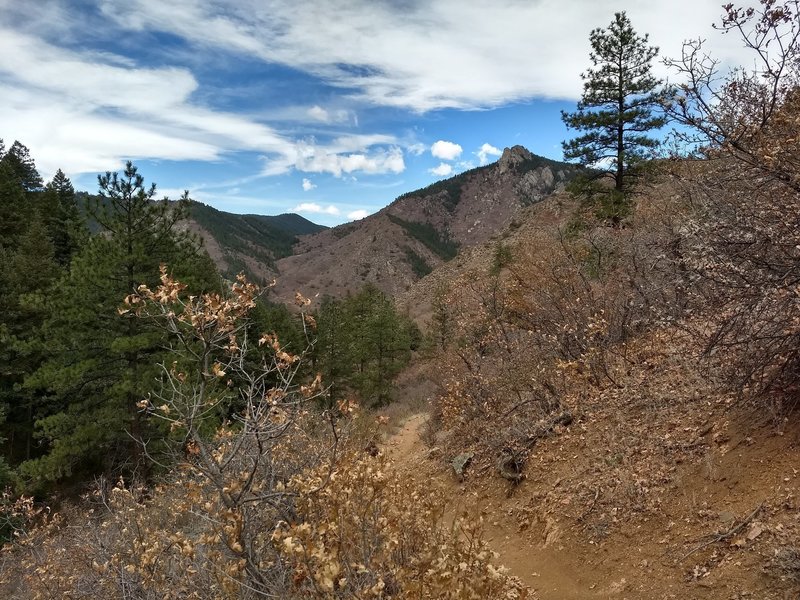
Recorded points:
(511, 50)
(87, 112)
(307, 185)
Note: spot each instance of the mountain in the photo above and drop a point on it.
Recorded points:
(249, 243)
(237, 243)
(422, 229)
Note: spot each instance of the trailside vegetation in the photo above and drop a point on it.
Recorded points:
(363, 343)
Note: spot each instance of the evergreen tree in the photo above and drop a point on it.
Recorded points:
(22, 236)
(363, 343)
(67, 226)
(19, 160)
(13, 207)
(331, 351)
(103, 361)
(616, 110)
(31, 225)
(29, 275)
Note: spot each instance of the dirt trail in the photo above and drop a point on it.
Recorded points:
(644, 557)
(548, 569)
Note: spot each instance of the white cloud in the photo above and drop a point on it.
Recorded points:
(416, 149)
(318, 113)
(493, 42)
(446, 150)
(323, 115)
(443, 170)
(335, 159)
(313, 207)
(357, 214)
(307, 185)
(486, 151)
(86, 112)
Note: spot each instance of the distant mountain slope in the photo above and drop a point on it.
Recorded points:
(249, 243)
(236, 243)
(421, 229)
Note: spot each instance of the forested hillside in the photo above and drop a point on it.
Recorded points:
(248, 243)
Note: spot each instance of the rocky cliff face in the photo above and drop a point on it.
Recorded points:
(422, 229)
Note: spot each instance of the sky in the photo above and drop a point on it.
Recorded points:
(328, 108)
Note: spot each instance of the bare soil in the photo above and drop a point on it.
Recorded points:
(715, 532)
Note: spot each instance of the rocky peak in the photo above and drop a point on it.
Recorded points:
(512, 157)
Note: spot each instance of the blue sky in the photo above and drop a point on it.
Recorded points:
(328, 108)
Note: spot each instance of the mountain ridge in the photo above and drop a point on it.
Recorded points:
(421, 229)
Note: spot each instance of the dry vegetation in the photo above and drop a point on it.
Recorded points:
(590, 363)
(281, 501)
(597, 366)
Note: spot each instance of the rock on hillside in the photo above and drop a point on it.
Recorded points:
(421, 230)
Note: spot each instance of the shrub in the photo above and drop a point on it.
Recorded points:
(279, 501)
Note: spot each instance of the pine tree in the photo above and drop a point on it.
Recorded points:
(331, 351)
(29, 274)
(617, 108)
(363, 343)
(103, 362)
(32, 224)
(13, 207)
(67, 226)
(18, 159)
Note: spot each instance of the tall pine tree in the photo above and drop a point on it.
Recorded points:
(27, 271)
(103, 362)
(616, 111)
(18, 159)
(65, 222)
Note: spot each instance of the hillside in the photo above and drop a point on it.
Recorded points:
(238, 243)
(608, 454)
(249, 243)
(422, 229)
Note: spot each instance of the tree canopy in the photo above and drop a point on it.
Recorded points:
(616, 111)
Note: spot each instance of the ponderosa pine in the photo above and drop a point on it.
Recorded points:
(104, 362)
(617, 109)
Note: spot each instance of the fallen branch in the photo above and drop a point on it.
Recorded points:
(719, 537)
(546, 428)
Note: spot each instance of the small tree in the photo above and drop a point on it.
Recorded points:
(616, 110)
(65, 222)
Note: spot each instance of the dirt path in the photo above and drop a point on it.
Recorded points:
(641, 558)
(544, 567)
